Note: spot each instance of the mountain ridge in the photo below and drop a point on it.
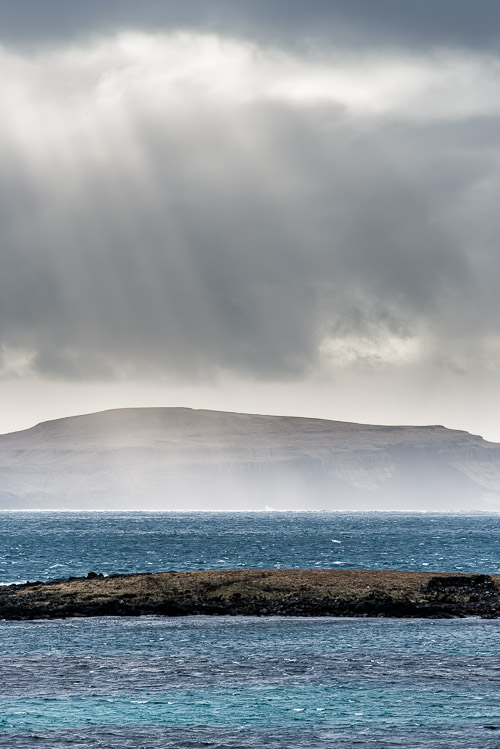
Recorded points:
(180, 458)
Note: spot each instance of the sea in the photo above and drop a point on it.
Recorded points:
(238, 682)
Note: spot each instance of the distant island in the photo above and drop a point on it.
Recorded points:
(181, 459)
(318, 592)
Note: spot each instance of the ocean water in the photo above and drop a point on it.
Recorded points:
(238, 682)
(43, 546)
(250, 682)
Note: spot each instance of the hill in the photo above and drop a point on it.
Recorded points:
(184, 459)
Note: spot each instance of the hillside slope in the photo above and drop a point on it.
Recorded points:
(183, 459)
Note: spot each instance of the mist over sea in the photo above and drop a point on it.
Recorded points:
(238, 682)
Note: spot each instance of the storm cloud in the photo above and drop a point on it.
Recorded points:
(450, 23)
(271, 190)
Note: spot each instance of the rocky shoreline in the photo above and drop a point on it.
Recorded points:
(346, 593)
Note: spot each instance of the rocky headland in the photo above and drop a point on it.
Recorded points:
(318, 592)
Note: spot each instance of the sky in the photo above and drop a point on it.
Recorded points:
(268, 206)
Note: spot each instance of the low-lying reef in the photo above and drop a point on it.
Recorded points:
(351, 593)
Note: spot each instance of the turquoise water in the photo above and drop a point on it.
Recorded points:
(50, 545)
(250, 682)
(238, 682)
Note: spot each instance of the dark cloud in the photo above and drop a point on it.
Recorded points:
(346, 22)
(242, 243)
(160, 217)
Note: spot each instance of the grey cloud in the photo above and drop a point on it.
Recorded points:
(349, 23)
(157, 226)
(240, 238)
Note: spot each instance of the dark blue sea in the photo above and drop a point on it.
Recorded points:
(233, 682)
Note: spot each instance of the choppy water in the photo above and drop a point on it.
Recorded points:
(48, 545)
(247, 682)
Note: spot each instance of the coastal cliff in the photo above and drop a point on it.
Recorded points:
(181, 459)
(318, 592)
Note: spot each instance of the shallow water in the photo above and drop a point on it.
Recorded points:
(249, 682)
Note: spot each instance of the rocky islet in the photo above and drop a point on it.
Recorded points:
(318, 592)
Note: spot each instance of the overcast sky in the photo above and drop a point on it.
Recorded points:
(277, 207)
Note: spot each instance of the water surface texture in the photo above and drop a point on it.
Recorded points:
(249, 682)
(43, 546)
(243, 682)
